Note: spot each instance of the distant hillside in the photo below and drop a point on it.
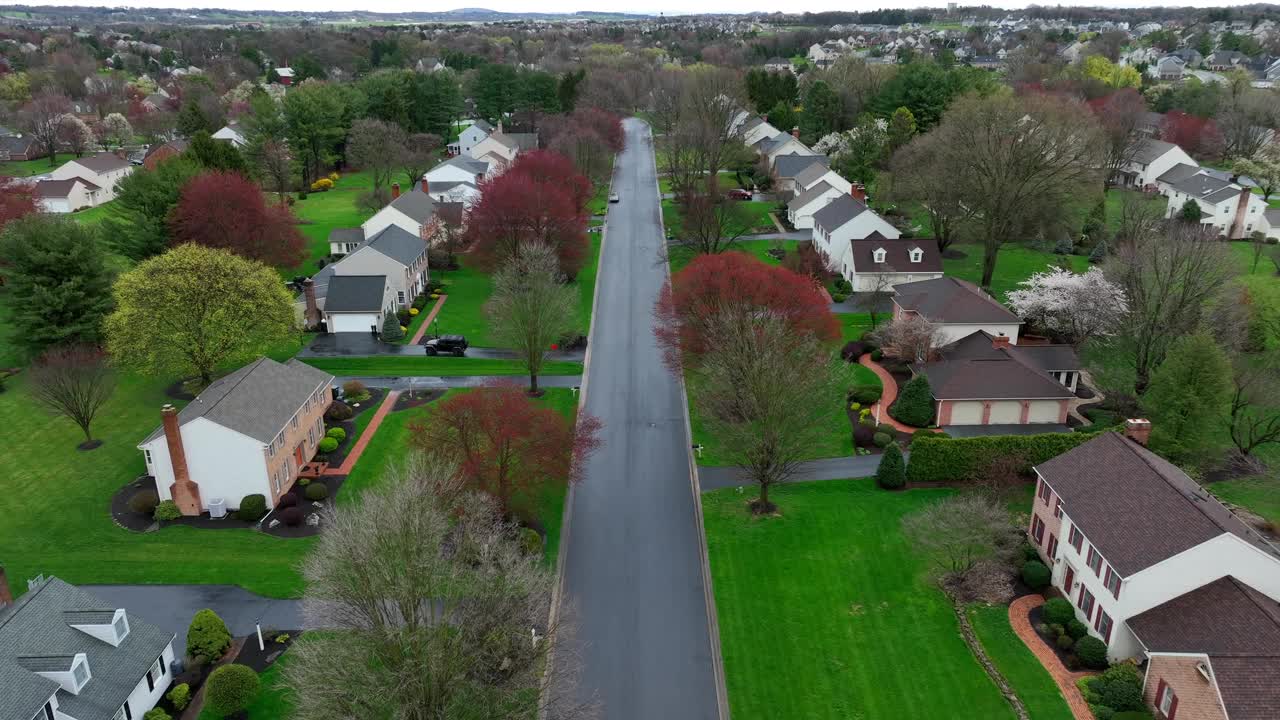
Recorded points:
(214, 16)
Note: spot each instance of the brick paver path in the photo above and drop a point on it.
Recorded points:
(881, 409)
(422, 329)
(1019, 611)
(358, 449)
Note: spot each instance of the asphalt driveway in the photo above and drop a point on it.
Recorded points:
(633, 577)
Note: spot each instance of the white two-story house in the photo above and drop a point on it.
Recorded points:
(470, 136)
(396, 253)
(66, 655)
(103, 171)
(409, 211)
(1151, 159)
(1232, 210)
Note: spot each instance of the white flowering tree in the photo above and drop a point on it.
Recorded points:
(1077, 306)
(116, 129)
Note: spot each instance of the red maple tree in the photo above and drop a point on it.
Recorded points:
(17, 199)
(507, 443)
(226, 210)
(1199, 136)
(531, 203)
(734, 282)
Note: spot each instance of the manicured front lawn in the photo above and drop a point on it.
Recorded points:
(825, 611)
(1029, 679)
(1259, 494)
(679, 257)
(27, 168)
(322, 212)
(414, 366)
(1014, 264)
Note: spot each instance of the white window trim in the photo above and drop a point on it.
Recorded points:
(1166, 699)
(878, 256)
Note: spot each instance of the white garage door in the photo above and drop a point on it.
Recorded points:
(1044, 411)
(352, 322)
(966, 413)
(1006, 412)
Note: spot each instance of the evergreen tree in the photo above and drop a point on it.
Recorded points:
(822, 111)
(1188, 395)
(59, 288)
(137, 226)
(891, 474)
(782, 116)
(1191, 211)
(902, 127)
(391, 330)
(216, 155)
(915, 404)
(191, 119)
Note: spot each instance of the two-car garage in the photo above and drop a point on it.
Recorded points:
(357, 303)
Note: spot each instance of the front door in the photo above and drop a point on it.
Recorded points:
(298, 456)
(1068, 580)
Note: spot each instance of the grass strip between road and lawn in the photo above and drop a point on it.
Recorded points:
(422, 366)
(1028, 678)
(826, 611)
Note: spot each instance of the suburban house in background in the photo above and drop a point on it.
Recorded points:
(1151, 159)
(250, 432)
(284, 75)
(66, 655)
(984, 379)
(396, 253)
(231, 133)
(500, 148)
(814, 174)
(1230, 208)
(20, 148)
(65, 196)
(778, 64)
(409, 211)
(757, 129)
(957, 308)
(1161, 571)
(787, 167)
(345, 240)
(157, 154)
(461, 191)
(878, 262)
(842, 220)
(103, 171)
(460, 168)
(357, 303)
(801, 209)
(470, 137)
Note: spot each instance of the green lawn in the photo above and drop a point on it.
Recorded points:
(679, 257)
(1014, 264)
(322, 212)
(1029, 679)
(852, 325)
(1259, 494)
(274, 700)
(27, 168)
(757, 212)
(412, 365)
(825, 612)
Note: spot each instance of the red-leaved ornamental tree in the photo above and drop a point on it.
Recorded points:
(1198, 136)
(508, 444)
(735, 283)
(530, 204)
(588, 136)
(225, 210)
(17, 199)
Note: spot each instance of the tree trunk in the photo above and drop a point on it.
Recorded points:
(88, 438)
(533, 383)
(989, 264)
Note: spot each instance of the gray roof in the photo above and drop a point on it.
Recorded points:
(60, 188)
(811, 174)
(789, 166)
(972, 368)
(19, 145)
(1136, 507)
(838, 212)
(1178, 173)
(398, 244)
(1149, 149)
(257, 400)
(35, 629)
(102, 162)
(809, 195)
(483, 125)
(1207, 186)
(473, 165)
(355, 293)
(1273, 216)
(416, 204)
(447, 186)
(346, 235)
(524, 141)
(951, 300)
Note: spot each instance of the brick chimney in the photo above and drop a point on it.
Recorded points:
(1138, 430)
(1000, 341)
(858, 191)
(312, 315)
(185, 493)
(426, 186)
(795, 132)
(6, 595)
(395, 190)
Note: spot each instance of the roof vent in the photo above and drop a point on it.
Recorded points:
(1203, 669)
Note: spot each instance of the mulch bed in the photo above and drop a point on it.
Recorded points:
(418, 399)
(309, 507)
(260, 660)
(344, 448)
(205, 522)
(126, 518)
(1068, 658)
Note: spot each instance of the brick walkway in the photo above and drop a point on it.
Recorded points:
(422, 329)
(1066, 679)
(881, 409)
(367, 435)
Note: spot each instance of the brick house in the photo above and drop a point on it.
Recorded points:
(1161, 571)
(248, 433)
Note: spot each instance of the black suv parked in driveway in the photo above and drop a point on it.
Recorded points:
(456, 344)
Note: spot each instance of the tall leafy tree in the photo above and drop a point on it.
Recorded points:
(531, 307)
(195, 309)
(317, 116)
(59, 287)
(1189, 393)
(494, 88)
(137, 225)
(376, 146)
(216, 155)
(228, 211)
(822, 111)
(436, 103)
(902, 127)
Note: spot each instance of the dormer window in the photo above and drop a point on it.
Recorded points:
(917, 255)
(80, 673)
(121, 626)
(878, 255)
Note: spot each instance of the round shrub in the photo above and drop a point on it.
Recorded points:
(915, 405)
(887, 429)
(1042, 629)
(866, 394)
(855, 406)
(144, 502)
(1058, 611)
(1092, 652)
(867, 421)
(287, 500)
(338, 411)
(317, 491)
(891, 474)
(839, 297)
(1066, 641)
(156, 714)
(1055, 630)
(167, 510)
(1029, 552)
(328, 445)
(230, 688)
(208, 637)
(252, 508)
(853, 350)
(337, 433)
(292, 516)
(1102, 712)
(354, 387)
(413, 312)
(863, 436)
(881, 439)
(877, 354)
(1035, 574)
(180, 696)
(1121, 696)
(1076, 629)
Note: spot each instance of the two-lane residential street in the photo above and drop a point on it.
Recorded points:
(633, 574)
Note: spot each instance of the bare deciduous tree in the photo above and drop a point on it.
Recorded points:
(958, 532)
(914, 178)
(75, 382)
(878, 296)
(436, 610)
(376, 146)
(1120, 117)
(909, 337)
(1255, 405)
(42, 117)
(275, 166)
(766, 394)
(75, 134)
(531, 307)
(711, 222)
(419, 155)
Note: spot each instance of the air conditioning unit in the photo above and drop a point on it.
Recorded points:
(217, 508)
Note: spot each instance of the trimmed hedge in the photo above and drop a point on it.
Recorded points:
(891, 473)
(1036, 574)
(230, 688)
(936, 459)
(1092, 652)
(1057, 611)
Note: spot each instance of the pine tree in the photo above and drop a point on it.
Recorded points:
(391, 330)
(915, 405)
(892, 472)
(1191, 211)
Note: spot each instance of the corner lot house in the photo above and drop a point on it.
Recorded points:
(1161, 571)
(248, 433)
(103, 170)
(984, 380)
(66, 655)
(409, 211)
(395, 253)
(956, 307)
(357, 303)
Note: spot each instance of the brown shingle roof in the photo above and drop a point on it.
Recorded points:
(951, 300)
(1136, 507)
(102, 162)
(897, 255)
(972, 368)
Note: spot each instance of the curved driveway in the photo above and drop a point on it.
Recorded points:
(633, 577)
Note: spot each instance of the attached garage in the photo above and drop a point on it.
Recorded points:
(357, 303)
(965, 413)
(353, 322)
(1005, 412)
(1045, 411)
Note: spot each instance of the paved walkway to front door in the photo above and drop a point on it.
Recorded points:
(1065, 679)
(358, 449)
(422, 329)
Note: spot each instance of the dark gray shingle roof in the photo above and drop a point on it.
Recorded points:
(35, 630)
(355, 293)
(398, 244)
(102, 162)
(811, 174)
(789, 166)
(346, 235)
(257, 400)
(416, 204)
(1149, 149)
(838, 212)
(972, 368)
(809, 195)
(897, 254)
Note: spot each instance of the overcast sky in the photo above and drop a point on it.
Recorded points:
(641, 6)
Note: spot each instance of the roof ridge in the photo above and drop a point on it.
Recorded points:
(10, 612)
(1133, 447)
(251, 367)
(1248, 591)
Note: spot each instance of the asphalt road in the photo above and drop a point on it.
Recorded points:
(633, 579)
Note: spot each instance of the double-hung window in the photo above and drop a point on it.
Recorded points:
(1103, 625)
(1085, 602)
(154, 674)
(1044, 492)
(1057, 507)
(1037, 529)
(1076, 538)
(1095, 561)
(1113, 582)
(1166, 701)
(1053, 547)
